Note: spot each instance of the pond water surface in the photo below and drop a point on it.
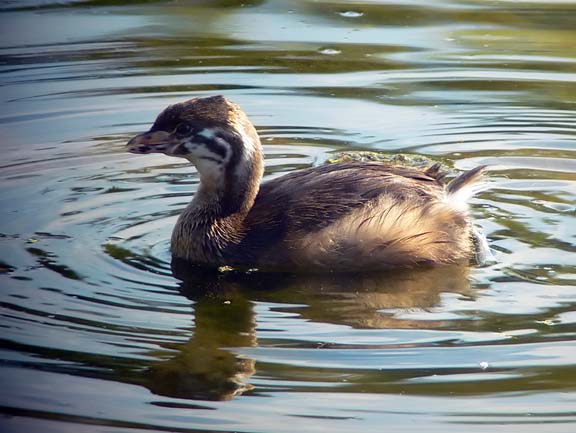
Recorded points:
(99, 336)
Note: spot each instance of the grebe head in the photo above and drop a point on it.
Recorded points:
(213, 133)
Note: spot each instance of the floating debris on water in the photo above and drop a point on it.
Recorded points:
(351, 14)
(404, 159)
(329, 51)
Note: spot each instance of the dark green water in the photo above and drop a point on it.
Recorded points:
(99, 336)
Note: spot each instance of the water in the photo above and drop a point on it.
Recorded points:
(97, 333)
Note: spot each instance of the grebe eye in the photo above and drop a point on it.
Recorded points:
(182, 129)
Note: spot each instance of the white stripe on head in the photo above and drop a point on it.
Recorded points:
(208, 133)
(215, 134)
(249, 144)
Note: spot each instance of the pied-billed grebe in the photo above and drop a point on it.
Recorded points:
(340, 217)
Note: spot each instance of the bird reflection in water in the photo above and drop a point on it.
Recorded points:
(205, 368)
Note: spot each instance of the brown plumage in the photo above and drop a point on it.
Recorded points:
(340, 217)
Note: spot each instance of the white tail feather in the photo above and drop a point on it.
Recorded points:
(464, 187)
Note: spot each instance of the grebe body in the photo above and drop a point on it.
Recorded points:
(354, 216)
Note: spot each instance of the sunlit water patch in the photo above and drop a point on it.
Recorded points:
(100, 333)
